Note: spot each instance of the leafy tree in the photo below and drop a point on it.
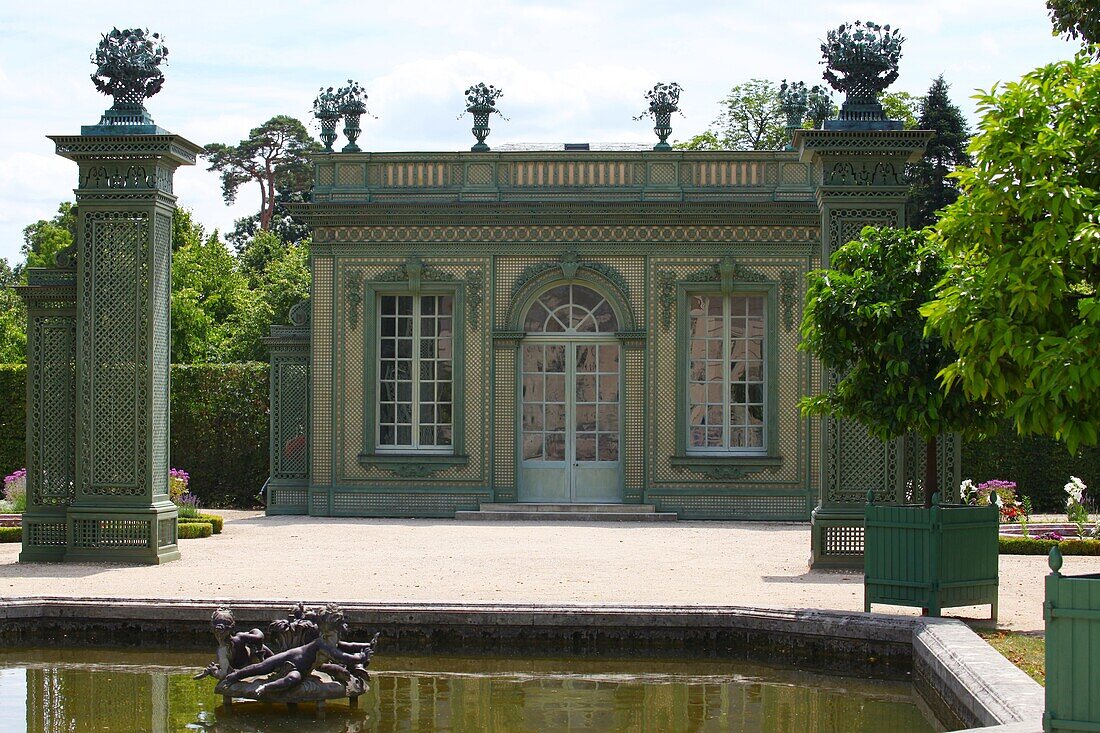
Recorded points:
(704, 141)
(930, 188)
(752, 119)
(259, 251)
(274, 156)
(185, 230)
(284, 281)
(1076, 20)
(46, 237)
(1019, 302)
(861, 319)
(901, 106)
(13, 318)
(208, 292)
(821, 107)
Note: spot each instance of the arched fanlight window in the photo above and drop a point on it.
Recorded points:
(570, 309)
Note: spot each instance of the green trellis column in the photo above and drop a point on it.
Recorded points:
(120, 510)
(288, 428)
(859, 175)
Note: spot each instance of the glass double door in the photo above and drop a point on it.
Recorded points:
(569, 422)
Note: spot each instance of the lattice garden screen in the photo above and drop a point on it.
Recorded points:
(416, 372)
(726, 374)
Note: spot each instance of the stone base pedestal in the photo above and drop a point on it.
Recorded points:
(141, 535)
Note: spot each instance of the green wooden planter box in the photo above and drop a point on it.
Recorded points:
(1072, 614)
(931, 558)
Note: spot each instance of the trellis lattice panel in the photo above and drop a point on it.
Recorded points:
(160, 276)
(845, 224)
(793, 371)
(504, 428)
(290, 416)
(634, 427)
(321, 350)
(733, 506)
(51, 424)
(113, 302)
(857, 462)
(351, 371)
(436, 502)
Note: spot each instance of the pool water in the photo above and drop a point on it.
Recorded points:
(55, 690)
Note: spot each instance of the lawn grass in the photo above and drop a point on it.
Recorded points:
(1026, 651)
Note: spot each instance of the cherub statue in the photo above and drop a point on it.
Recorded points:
(298, 663)
(235, 650)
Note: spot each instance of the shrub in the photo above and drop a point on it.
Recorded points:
(11, 534)
(1039, 466)
(1029, 546)
(177, 483)
(193, 530)
(219, 430)
(216, 521)
(212, 519)
(13, 416)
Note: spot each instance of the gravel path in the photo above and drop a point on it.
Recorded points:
(418, 560)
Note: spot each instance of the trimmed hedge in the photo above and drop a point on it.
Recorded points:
(212, 519)
(11, 534)
(1039, 466)
(13, 417)
(1032, 546)
(219, 428)
(193, 530)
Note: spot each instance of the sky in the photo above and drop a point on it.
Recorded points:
(571, 71)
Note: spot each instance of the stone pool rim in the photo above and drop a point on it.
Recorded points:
(955, 671)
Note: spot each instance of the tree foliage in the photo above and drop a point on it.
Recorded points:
(751, 120)
(1019, 302)
(274, 156)
(930, 188)
(901, 106)
(46, 237)
(1077, 20)
(208, 294)
(862, 320)
(13, 318)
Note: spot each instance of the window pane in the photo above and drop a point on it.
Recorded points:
(586, 447)
(532, 446)
(609, 447)
(555, 446)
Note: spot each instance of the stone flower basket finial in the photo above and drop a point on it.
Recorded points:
(127, 70)
(664, 99)
(820, 105)
(861, 60)
(794, 101)
(351, 102)
(481, 101)
(326, 110)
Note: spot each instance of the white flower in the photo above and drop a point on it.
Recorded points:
(1076, 490)
(967, 491)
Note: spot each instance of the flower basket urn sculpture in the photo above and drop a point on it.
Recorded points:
(481, 102)
(664, 100)
(326, 110)
(861, 60)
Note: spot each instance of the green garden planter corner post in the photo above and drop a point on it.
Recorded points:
(115, 500)
(1072, 615)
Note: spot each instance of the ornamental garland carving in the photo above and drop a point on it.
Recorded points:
(666, 295)
(726, 271)
(788, 290)
(475, 284)
(845, 173)
(569, 264)
(415, 272)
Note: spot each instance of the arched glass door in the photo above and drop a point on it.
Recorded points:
(570, 406)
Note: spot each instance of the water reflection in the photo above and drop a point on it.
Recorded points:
(76, 691)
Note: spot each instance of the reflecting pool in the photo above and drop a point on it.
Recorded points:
(51, 690)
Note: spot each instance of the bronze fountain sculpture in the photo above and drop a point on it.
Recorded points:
(301, 658)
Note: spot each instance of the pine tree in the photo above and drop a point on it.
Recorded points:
(930, 188)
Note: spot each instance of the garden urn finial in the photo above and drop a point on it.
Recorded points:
(481, 101)
(861, 60)
(664, 99)
(128, 70)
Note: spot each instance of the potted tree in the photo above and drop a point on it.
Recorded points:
(862, 321)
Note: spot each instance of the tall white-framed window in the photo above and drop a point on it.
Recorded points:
(727, 411)
(415, 396)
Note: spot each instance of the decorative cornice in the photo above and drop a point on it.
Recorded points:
(508, 234)
(569, 264)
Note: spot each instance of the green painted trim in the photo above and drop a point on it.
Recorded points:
(769, 288)
(371, 290)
